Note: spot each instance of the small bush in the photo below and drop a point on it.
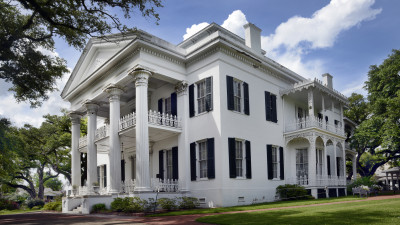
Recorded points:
(129, 204)
(54, 206)
(167, 203)
(151, 205)
(8, 204)
(99, 207)
(188, 203)
(291, 191)
(361, 181)
(35, 202)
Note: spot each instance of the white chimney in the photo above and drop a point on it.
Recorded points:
(253, 37)
(327, 80)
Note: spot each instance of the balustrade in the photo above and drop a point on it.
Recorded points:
(313, 122)
(83, 142)
(166, 185)
(320, 180)
(102, 132)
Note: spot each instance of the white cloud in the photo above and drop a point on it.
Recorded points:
(21, 113)
(194, 29)
(295, 37)
(235, 22)
(355, 86)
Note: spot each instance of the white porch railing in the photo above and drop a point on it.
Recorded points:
(102, 132)
(128, 186)
(313, 122)
(82, 190)
(166, 185)
(154, 117)
(82, 142)
(320, 180)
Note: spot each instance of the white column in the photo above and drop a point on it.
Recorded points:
(75, 154)
(354, 167)
(334, 172)
(312, 161)
(325, 163)
(115, 149)
(344, 160)
(183, 138)
(91, 146)
(311, 103)
(142, 130)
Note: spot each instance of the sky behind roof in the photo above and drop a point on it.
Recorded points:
(310, 37)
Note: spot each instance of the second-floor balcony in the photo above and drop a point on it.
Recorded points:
(156, 120)
(313, 122)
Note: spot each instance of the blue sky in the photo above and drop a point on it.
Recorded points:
(311, 37)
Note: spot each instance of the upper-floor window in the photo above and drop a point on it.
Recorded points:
(270, 107)
(168, 105)
(237, 95)
(203, 96)
(239, 158)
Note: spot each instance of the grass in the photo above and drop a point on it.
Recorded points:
(366, 212)
(256, 206)
(17, 211)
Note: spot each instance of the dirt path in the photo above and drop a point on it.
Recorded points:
(58, 218)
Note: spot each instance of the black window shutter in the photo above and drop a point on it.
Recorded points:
(232, 157)
(281, 164)
(246, 98)
(161, 164)
(210, 158)
(229, 89)
(267, 106)
(174, 107)
(175, 173)
(122, 170)
(209, 99)
(105, 175)
(160, 109)
(193, 161)
(191, 100)
(328, 160)
(98, 175)
(338, 166)
(273, 109)
(248, 160)
(269, 162)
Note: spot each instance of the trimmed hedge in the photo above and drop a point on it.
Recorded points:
(292, 191)
(53, 206)
(35, 202)
(99, 207)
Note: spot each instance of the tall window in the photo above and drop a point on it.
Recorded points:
(239, 158)
(168, 106)
(319, 161)
(237, 95)
(169, 165)
(203, 159)
(204, 94)
(274, 162)
(270, 107)
(301, 163)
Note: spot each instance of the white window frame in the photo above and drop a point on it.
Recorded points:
(202, 163)
(275, 162)
(238, 95)
(241, 142)
(200, 101)
(168, 165)
(167, 105)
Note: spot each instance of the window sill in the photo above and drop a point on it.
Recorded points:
(237, 112)
(276, 179)
(240, 178)
(200, 114)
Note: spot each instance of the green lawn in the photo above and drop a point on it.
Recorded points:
(258, 206)
(367, 212)
(9, 212)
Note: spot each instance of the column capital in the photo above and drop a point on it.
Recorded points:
(75, 117)
(181, 87)
(114, 91)
(141, 75)
(91, 107)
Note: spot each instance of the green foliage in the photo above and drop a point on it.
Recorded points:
(368, 181)
(129, 204)
(28, 28)
(188, 202)
(35, 202)
(99, 207)
(292, 191)
(167, 203)
(8, 204)
(53, 206)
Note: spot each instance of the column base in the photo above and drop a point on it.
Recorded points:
(113, 191)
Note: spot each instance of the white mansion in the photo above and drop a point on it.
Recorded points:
(211, 117)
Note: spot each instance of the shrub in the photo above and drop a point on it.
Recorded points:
(8, 204)
(361, 181)
(291, 191)
(188, 203)
(151, 205)
(167, 203)
(35, 202)
(54, 206)
(99, 207)
(129, 204)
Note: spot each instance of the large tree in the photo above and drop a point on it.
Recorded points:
(29, 26)
(377, 137)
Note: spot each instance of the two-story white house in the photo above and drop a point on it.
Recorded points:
(211, 117)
